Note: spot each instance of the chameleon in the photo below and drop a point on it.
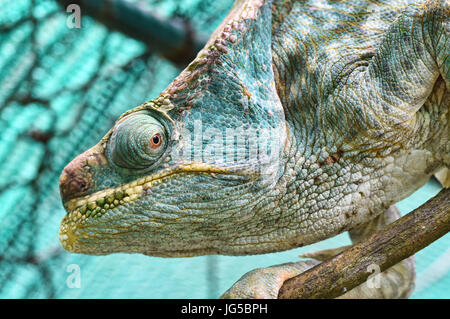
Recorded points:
(297, 121)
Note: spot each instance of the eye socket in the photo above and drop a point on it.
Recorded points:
(138, 141)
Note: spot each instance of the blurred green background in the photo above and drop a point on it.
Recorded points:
(60, 91)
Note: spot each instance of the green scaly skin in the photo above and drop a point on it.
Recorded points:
(298, 120)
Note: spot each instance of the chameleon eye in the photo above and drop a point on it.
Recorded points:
(156, 141)
(137, 141)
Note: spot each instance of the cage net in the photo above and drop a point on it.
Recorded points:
(61, 90)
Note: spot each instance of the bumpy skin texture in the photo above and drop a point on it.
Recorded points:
(333, 111)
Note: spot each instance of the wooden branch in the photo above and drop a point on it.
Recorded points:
(395, 242)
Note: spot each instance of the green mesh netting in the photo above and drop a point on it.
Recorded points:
(60, 91)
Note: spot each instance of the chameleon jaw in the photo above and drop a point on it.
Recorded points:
(89, 207)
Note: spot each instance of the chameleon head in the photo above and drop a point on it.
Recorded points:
(170, 182)
(178, 175)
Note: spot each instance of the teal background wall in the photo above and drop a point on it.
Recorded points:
(60, 90)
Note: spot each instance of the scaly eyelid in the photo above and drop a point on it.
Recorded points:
(129, 146)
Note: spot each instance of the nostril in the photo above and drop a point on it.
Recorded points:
(76, 186)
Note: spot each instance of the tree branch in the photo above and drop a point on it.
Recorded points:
(395, 242)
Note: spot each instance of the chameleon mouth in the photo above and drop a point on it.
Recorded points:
(93, 206)
(97, 204)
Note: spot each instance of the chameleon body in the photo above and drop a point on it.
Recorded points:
(299, 120)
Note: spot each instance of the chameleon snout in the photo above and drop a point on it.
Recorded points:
(73, 183)
(76, 180)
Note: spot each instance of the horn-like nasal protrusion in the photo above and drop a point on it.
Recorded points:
(76, 180)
